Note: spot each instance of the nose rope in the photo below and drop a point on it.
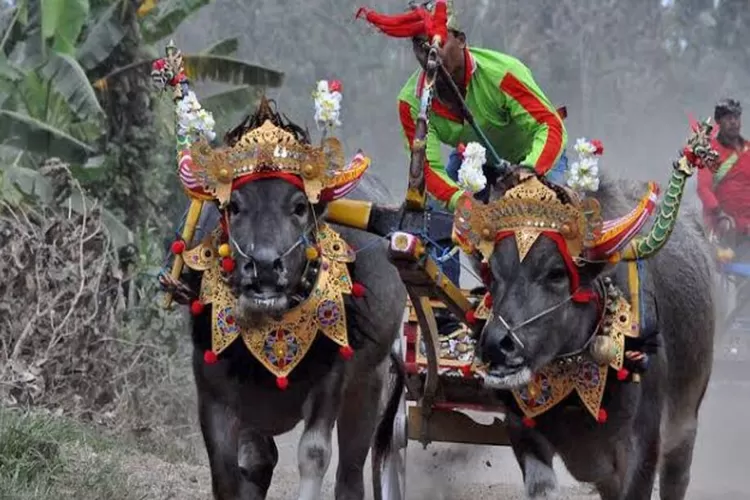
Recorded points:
(512, 330)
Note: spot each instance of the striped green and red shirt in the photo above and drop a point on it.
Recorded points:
(508, 106)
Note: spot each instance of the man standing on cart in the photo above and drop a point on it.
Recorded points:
(499, 91)
(724, 193)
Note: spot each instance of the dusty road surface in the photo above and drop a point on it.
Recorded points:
(457, 472)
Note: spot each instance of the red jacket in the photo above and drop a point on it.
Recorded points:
(728, 189)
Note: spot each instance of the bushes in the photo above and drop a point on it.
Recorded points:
(71, 342)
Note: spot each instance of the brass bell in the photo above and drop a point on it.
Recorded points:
(308, 171)
(224, 175)
(603, 349)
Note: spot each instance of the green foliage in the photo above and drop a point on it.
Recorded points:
(168, 15)
(62, 22)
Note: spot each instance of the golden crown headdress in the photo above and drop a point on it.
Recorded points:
(268, 150)
(533, 206)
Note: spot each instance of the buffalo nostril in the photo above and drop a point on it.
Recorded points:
(278, 265)
(507, 346)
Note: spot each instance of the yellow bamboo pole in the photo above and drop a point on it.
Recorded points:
(188, 230)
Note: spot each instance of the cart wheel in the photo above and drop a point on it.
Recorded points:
(389, 473)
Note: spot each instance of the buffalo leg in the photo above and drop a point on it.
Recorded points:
(675, 469)
(219, 427)
(314, 452)
(258, 456)
(356, 426)
(534, 455)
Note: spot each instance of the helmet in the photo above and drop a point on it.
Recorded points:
(727, 107)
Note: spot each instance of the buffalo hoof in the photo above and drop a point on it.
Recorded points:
(539, 479)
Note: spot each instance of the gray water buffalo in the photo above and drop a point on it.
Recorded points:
(649, 423)
(240, 407)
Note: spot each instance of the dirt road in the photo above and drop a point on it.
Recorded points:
(457, 472)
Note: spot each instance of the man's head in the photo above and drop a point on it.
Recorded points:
(728, 114)
(451, 53)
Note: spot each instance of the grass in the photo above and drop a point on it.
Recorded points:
(36, 462)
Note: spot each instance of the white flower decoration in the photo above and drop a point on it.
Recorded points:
(583, 175)
(193, 120)
(327, 104)
(584, 148)
(470, 175)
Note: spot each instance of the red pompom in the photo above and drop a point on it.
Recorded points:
(196, 307)
(358, 290)
(346, 352)
(178, 246)
(158, 64)
(282, 383)
(209, 357)
(488, 301)
(528, 422)
(622, 374)
(461, 148)
(602, 416)
(335, 86)
(471, 317)
(599, 147)
(227, 264)
(466, 371)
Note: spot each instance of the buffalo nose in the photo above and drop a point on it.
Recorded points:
(499, 350)
(264, 265)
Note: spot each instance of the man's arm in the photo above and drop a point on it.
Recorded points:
(437, 182)
(531, 109)
(706, 194)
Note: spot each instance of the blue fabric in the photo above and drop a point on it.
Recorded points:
(737, 268)
(557, 173)
(451, 267)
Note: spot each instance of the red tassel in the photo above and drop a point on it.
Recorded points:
(528, 422)
(196, 307)
(622, 374)
(602, 416)
(358, 290)
(488, 301)
(466, 371)
(599, 147)
(346, 352)
(282, 383)
(471, 317)
(227, 264)
(178, 246)
(335, 86)
(210, 357)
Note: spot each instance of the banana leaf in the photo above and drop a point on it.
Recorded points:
(26, 133)
(167, 16)
(63, 20)
(225, 47)
(69, 79)
(102, 38)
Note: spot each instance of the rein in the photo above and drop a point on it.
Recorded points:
(513, 329)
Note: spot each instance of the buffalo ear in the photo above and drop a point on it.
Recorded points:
(591, 271)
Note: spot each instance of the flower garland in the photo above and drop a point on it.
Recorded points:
(583, 175)
(193, 120)
(470, 176)
(328, 103)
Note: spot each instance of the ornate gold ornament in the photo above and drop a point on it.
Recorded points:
(272, 150)
(527, 210)
(279, 345)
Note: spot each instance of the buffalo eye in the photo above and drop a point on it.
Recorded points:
(300, 209)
